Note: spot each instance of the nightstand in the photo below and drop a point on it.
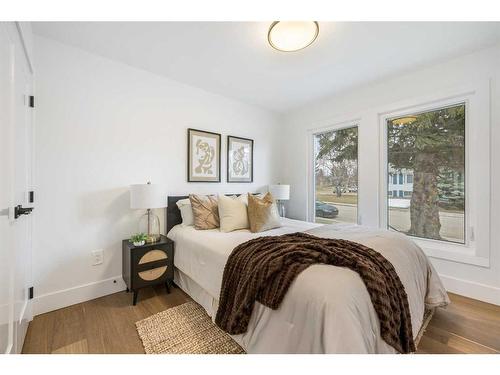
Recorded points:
(147, 265)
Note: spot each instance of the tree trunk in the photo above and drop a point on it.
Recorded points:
(338, 191)
(424, 206)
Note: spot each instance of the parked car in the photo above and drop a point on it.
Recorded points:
(326, 210)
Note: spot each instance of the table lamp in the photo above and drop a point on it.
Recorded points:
(280, 193)
(147, 197)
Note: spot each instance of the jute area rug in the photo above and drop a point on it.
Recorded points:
(184, 329)
(187, 329)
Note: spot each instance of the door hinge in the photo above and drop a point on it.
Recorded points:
(30, 292)
(32, 101)
(31, 196)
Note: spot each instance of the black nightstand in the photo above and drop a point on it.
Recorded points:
(147, 265)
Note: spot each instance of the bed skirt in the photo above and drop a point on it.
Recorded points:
(196, 292)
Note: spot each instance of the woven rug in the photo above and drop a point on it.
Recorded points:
(184, 329)
(187, 329)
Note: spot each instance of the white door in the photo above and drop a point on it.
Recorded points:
(6, 245)
(16, 144)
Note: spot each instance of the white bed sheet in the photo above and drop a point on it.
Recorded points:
(327, 309)
(202, 254)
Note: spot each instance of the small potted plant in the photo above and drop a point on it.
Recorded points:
(138, 239)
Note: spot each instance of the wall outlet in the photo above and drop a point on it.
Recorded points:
(97, 257)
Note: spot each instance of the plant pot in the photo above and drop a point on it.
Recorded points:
(140, 243)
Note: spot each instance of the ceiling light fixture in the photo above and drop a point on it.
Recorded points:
(404, 120)
(291, 36)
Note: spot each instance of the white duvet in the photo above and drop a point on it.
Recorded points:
(327, 309)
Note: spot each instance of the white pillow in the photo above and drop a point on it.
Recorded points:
(186, 212)
(233, 213)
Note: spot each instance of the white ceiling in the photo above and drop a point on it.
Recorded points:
(234, 59)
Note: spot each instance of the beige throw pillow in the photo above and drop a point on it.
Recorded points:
(233, 213)
(263, 213)
(244, 197)
(186, 212)
(205, 211)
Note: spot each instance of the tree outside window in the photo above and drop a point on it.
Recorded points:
(336, 175)
(430, 147)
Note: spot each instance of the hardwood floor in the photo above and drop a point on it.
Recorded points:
(103, 325)
(465, 326)
(106, 325)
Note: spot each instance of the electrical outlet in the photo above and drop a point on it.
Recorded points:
(97, 257)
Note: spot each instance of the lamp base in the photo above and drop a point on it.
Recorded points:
(281, 208)
(150, 225)
(152, 238)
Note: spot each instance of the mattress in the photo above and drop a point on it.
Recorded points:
(327, 309)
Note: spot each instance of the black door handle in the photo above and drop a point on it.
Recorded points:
(20, 210)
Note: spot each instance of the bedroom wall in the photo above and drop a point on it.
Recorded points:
(366, 102)
(101, 126)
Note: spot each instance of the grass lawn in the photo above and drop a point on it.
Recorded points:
(328, 196)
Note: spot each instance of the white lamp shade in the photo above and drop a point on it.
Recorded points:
(144, 196)
(280, 192)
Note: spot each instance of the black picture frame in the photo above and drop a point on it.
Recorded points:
(197, 132)
(229, 178)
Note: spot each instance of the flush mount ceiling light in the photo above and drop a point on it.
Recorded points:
(404, 120)
(292, 36)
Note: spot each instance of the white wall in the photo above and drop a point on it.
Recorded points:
(101, 126)
(364, 104)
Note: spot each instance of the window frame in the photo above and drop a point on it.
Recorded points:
(402, 180)
(476, 248)
(311, 188)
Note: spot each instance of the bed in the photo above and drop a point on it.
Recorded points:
(327, 309)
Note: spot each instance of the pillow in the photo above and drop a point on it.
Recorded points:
(205, 211)
(233, 213)
(186, 211)
(263, 213)
(244, 197)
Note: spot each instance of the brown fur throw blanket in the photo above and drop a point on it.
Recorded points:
(263, 269)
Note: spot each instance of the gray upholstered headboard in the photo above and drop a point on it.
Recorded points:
(173, 214)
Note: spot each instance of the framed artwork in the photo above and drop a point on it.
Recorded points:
(239, 159)
(203, 156)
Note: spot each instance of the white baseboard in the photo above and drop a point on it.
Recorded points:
(482, 292)
(71, 296)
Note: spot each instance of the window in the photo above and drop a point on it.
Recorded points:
(431, 147)
(336, 176)
(395, 179)
(401, 179)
